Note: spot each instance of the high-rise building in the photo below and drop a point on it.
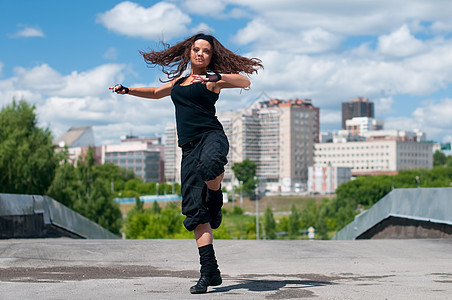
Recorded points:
(357, 107)
(277, 135)
(173, 155)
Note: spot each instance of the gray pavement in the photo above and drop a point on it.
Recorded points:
(165, 269)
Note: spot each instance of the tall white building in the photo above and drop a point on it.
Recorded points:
(361, 125)
(277, 135)
(375, 156)
(173, 155)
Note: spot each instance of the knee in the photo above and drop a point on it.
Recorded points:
(215, 184)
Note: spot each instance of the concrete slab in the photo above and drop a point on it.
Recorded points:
(165, 269)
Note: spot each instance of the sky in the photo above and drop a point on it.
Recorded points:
(62, 56)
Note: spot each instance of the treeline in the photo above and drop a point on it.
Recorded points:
(29, 165)
(352, 197)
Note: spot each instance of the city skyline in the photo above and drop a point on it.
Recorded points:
(63, 56)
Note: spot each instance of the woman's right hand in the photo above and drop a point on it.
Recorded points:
(119, 89)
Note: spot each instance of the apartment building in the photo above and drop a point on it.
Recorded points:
(375, 156)
(277, 135)
(357, 107)
(173, 155)
(144, 156)
(326, 179)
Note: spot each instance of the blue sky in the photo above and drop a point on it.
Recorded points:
(62, 56)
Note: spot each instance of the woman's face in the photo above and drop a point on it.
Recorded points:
(201, 54)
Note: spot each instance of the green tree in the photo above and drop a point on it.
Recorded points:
(439, 158)
(156, 208)
(153, 224)
(87, 190)
(269, 224)
(27, 157)
(294, 222)
(308, 214)
(449, 161)
(65, 187)
(245, 172)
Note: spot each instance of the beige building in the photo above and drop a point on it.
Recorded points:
(144, 156)
(375, 156)
(78, 140)
(393, 134)
(326, 179)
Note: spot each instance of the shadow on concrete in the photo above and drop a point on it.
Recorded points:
(292, 288)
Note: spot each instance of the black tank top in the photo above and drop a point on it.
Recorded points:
(195, 111)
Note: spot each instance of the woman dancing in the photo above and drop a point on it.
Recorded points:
(200, 134)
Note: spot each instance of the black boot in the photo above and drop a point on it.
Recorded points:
(204, 282)
(210, 275)
(214, 204)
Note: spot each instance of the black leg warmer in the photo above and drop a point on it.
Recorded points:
(208, 261)
(210, 275)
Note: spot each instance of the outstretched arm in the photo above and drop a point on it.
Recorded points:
(144, 92)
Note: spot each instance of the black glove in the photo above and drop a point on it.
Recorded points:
(213, 76)
(121, 87)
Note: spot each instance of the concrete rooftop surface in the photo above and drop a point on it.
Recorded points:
(165, 269)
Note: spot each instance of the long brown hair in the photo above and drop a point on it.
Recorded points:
(175, 59)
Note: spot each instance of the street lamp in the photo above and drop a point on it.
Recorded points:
(256, 192)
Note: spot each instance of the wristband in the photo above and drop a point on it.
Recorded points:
(213, 76)
(126, 89)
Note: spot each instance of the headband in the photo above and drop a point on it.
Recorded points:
(205, 37)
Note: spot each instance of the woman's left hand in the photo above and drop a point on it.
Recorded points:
(199, 78)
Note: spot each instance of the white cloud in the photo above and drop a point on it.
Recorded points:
(383, 105)
(432, 117)
(400, 43)
(45, 80)
(161, 21)
(349, 17)
(204, 28)
(328, 78)
(83, 99)
(28, 31)
(39, 78)
(111, 54)
(330, 118)
(435, 114)
(92, 82)
(265, 36)
(402, 123)
(205, 7)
